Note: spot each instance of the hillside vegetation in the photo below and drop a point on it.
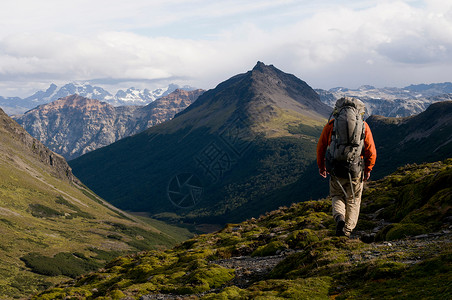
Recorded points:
(292, 253)
(52, 226)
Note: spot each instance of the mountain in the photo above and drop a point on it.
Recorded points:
(432, 89)
(75, 125)
(392, 102)
(132, 96)
(292, 253)
(53, 227)
(222, 158)
(425, 137)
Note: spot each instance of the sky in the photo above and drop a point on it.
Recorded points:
(151, 43)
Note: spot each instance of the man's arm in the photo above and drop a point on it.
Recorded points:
(370, 152)
(322, 145)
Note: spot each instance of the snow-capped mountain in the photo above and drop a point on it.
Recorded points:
(131, 96)
(391, 101)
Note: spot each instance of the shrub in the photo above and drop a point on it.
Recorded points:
(61, 264)
(41, 211)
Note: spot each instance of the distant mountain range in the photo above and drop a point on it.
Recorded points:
(392, 102)
(75, 125)
(131, 96)
(388, 101)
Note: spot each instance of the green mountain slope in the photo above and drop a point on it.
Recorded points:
(52, 226)
(425, 137)
(221, 158)
(292, 253)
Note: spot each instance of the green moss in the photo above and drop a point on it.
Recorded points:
(229, 293)
(56, 293)
(299, 239)
(269, 249)
(432, 214)
(427, 280)
(385, 269)
(204, 279)
(300, 288)
(400, 231)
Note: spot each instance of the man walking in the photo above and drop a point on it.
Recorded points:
(346, 150)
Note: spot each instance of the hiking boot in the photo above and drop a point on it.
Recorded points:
(340, 224)
(340, 228)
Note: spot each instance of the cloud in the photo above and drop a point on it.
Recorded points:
(202, 43)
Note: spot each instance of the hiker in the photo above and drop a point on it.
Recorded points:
(346, 151)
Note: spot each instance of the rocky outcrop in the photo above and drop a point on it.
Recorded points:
(32, 148)
(75, 125)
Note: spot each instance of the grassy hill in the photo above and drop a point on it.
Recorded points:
(292, 253)
(52, 226)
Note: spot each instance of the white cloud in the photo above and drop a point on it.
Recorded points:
(205, 42)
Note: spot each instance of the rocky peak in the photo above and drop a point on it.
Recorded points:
(74, 104)
(287, 91)
(259, 96)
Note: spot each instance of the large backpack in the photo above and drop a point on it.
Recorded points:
(343, 157)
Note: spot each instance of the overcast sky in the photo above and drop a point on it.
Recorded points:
(150, 43)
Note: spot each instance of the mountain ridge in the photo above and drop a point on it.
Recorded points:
(392, 102)
(131, 96)
(75, 125)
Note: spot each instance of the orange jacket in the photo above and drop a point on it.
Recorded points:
(369, 151)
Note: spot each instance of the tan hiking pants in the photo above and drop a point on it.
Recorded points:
(347, 206)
